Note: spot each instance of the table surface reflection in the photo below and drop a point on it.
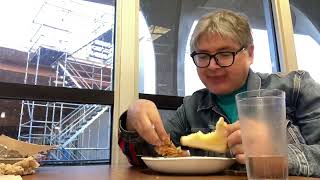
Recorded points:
(103, 172)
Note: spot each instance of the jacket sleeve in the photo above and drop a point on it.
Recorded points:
(132, 145)
(304, 153)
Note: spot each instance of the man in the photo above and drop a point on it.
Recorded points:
(223, 51)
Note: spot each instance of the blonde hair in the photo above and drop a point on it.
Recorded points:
(225, 23)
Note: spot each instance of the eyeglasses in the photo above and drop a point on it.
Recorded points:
(223, 59)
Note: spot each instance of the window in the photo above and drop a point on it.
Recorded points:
(57, 43)
(166, 67)
(75, 127)
(57, 56)
(306, 35)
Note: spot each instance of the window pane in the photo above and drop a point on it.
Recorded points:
(81, 132)
(166, 67)
(57, 43)
(306, 25)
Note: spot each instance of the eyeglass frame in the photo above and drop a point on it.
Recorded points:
(234, 53)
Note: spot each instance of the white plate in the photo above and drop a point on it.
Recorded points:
(188, 165)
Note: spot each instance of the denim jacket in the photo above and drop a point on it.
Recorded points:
(200, 112)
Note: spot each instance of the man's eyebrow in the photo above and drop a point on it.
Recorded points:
(226, 48)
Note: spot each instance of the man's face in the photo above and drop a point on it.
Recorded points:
(224, 80)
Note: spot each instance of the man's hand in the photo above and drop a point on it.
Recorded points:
(143, 117)
(235, 142)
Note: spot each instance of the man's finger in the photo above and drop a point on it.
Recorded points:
(241, 158)
(234, 138)
(158, 125)
(237, 149)
(150, 135)
(232, 127)
(147, 131)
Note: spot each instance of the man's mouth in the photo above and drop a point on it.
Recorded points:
(217, 79)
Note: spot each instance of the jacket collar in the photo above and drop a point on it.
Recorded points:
(207, 99)
(254, 81)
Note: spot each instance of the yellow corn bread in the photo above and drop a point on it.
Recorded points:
(213, 141)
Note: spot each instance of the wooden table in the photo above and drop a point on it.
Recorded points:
(106, 172)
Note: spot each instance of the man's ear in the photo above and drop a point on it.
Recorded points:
(251, 52)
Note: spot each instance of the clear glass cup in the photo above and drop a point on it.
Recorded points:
(262, 116)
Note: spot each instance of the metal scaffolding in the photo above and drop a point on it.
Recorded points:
(88, 67)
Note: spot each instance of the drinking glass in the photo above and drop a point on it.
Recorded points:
(262, 116)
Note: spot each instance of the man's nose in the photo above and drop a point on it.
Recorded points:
(213, 64)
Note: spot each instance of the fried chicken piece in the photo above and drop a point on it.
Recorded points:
(24, 167)
(28, 164)
(168, 149)
(10, 169)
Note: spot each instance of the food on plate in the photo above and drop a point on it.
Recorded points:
(168, 149)
(213, 141)
(5, 153)
(24, 167)
(18, 158)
